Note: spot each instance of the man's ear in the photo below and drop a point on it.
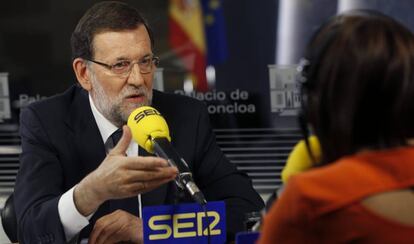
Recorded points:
(82, 73)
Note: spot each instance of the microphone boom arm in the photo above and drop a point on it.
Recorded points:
(184, 180)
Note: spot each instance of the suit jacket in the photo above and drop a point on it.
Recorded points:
(61, 144)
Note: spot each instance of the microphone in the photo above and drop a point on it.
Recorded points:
(299, 159)
(150, 130)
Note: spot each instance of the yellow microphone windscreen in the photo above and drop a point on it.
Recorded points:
(146, 123)
(299, 159)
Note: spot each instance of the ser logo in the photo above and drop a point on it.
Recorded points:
(147, 112)
(184, 225)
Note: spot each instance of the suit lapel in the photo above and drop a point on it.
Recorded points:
(86, 136)
(87, 142)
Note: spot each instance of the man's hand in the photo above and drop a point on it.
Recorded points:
(119, 226)
(119, 176)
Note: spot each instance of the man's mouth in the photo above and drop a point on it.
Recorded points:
(135, 98)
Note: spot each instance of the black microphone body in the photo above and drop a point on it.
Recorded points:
(163, 148)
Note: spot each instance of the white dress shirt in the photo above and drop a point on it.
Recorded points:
(71, 219)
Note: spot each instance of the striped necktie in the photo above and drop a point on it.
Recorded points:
(113, 140)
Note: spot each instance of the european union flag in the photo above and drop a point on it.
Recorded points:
(215, 31)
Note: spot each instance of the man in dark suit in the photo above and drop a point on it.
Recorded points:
(70, 181)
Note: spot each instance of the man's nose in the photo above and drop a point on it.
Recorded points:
(135, 77)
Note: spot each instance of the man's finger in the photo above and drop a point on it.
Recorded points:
(146, 186)
(145, 163)
(122, 145)
(148, 175)
(116, 227)
(109, 230)
(100, 226)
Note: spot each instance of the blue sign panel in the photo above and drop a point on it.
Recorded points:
(184, 223)
(247, 237)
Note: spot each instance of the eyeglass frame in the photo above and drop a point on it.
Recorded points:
(154, 61)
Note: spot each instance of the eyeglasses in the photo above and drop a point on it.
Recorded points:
(124, 67)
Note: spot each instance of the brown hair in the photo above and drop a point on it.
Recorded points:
(358, 90)
(104, 16)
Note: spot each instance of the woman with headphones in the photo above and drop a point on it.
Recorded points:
(358, 99)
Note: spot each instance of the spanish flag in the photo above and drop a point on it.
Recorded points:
(197, 35)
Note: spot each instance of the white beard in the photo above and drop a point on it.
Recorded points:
(113, 108)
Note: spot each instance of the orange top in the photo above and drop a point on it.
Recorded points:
(322, 205)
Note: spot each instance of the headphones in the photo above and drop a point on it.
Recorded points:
(308, 68)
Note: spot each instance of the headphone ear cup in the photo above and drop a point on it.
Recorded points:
(303, 119)
(303, 80)
(308, 69)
